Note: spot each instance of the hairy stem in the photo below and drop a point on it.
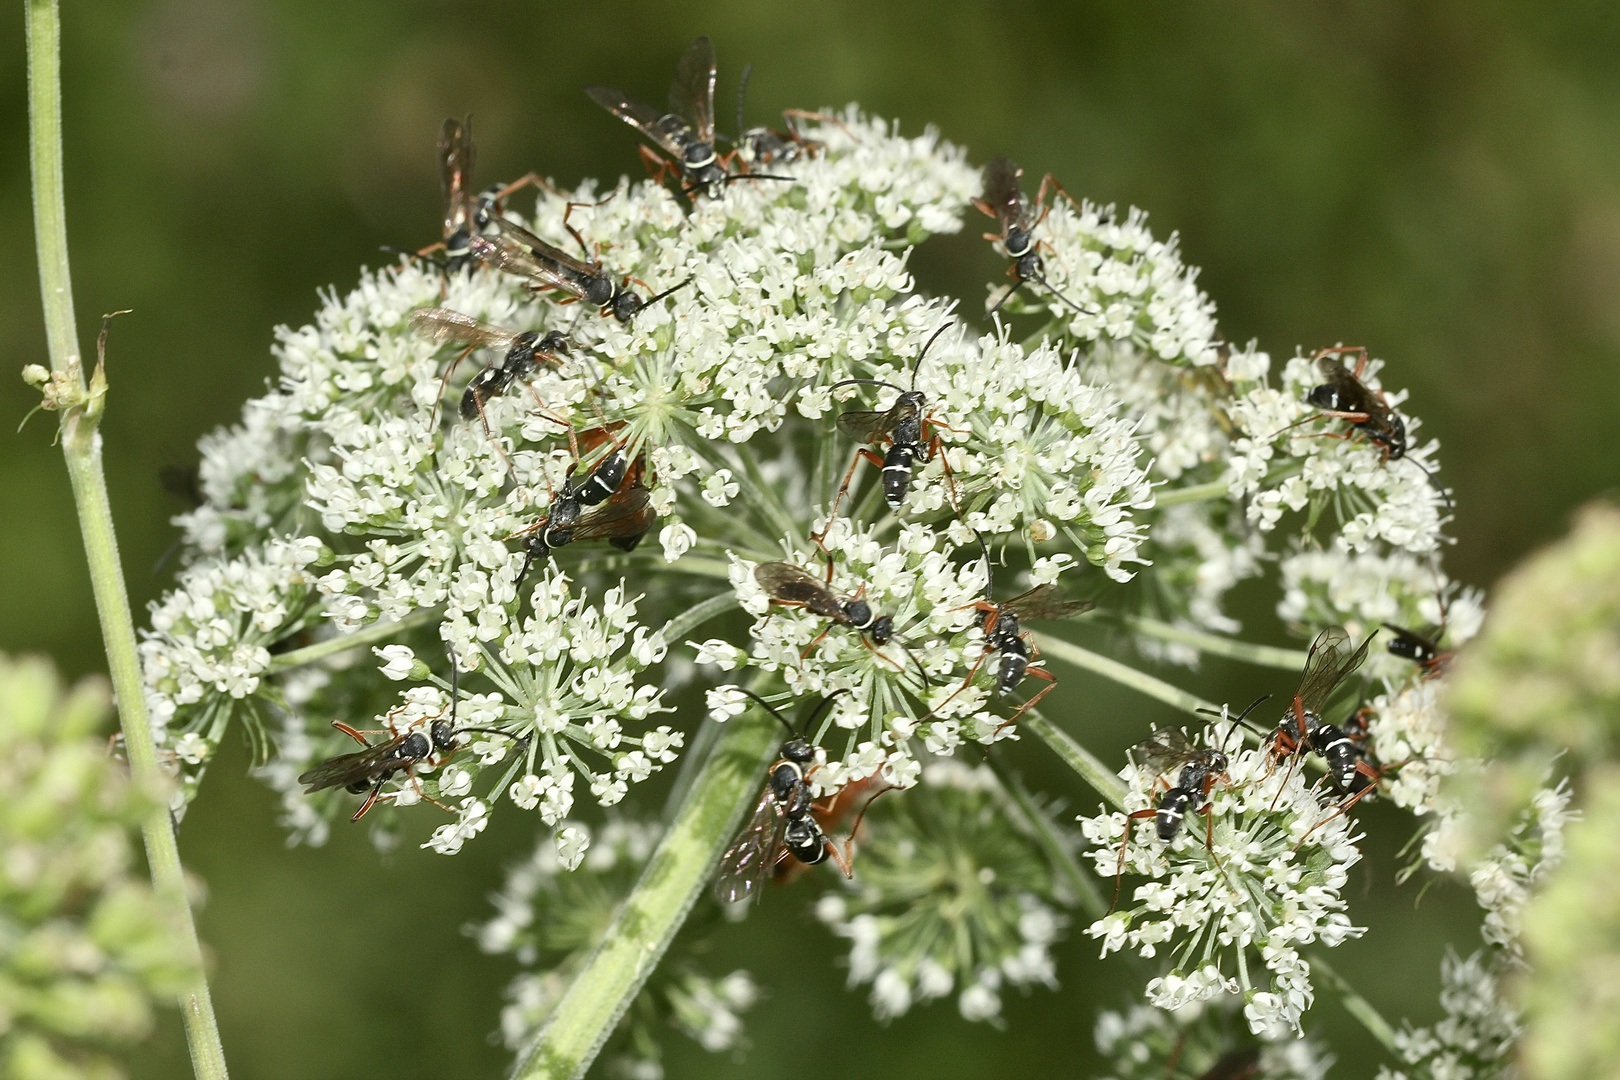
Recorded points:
(81, 446)
(1216, 645)
(360, 639)
(1357, 1006)
(1077, 757)
(675, 876)
(1124, 674)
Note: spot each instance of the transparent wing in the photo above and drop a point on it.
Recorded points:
(692, 93)
(1002, 193)
(455, 172)
(643, 118)
(753, 854)
(544, 251)
(1046, 602)
(794, 584)
(1330, 662)
(345, 769)
(867, 427)
(441, 325)
(512, 257)
(1166, 751)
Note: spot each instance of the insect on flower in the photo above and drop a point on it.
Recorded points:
(1197, 770)
(791, 585)
(764, 146)
(1342, 395)
(621, 517)
(525, 351)
(1004, 200)
(1330, 661)
(465, 215)
(374, 766)
(782, 823)
(1424, 650)
(685, 134)
(903, 425)
(517, 251)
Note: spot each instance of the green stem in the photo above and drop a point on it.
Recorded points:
(371, 635)
(81, 446)
(1125, 675)
(1076, 757)
(1215, 489)
(1216, 645)
(695, 616)
(1081, 884)
(1358, 1006)
(644, 926)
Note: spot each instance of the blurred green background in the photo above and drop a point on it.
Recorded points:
(1437, 181)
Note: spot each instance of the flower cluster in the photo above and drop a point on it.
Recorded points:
(550, 920)
(1195, 1040)
(1475, 1040)
(1251, 879)
(953, 896)
(85, 950)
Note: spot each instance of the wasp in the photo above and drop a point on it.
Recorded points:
(903, 425)
(372, 767)
(1331, 660)
(764, 146)
(465, 215)
(782, 823)
(517, 251)
(1004, 200)
(621, 517)
(791, 585)
(685, 134)
(525, 352)
(1197, 770)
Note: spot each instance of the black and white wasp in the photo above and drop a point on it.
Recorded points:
(684, 134)
(782, 824)
(525, 352)
(1004, 200)
(517, 251)
(1304, 730)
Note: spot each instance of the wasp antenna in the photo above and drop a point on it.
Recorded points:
(946, 325)
(1434, 481)
(1242, 718)
(768, 707)
(1006, 296)
(867, 382)
(1043, 283)
(819, 711)
(651, 300)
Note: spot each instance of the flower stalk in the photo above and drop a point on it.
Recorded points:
(80, 407)
(676, 875)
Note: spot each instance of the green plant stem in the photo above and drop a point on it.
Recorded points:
(1124, 674)
(81, 446)
(698, 614)
(1357, 1006)
(1081, 884)
(644, 926)
(1215, 489)
(1077, 757)
(371, 635)
(1216, 645)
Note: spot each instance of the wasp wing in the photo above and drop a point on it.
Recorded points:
(1350, 393)
(793, 584)
(1330, 662)
(345, 769)
(1003, 195)
(545, 252)
(515, 258)
(752, 856)
(1046, 602)
(441, 325)
(692, 93)
(630, 514)
(867, 427)
(455, 172)
(1166, 751)
(644, 118)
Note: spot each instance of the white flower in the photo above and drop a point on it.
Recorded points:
(676, 539)
(399, 661)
